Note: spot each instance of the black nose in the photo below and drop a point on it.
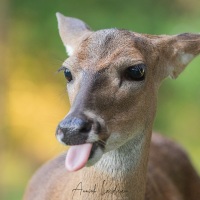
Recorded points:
(74, 124)
(74, 130)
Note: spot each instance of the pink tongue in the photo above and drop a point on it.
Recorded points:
(77, 156)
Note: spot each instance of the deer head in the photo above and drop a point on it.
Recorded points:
(113, 78)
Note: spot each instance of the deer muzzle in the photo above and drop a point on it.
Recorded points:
(83, 134)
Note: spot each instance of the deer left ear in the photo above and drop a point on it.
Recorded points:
(72, 31)
(178, 51)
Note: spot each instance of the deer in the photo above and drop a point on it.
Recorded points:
(113, 77)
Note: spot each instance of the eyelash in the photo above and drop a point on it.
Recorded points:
(62, 68)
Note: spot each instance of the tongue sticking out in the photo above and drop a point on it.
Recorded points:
(77, 156)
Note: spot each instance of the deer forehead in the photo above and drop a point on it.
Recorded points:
(110, 47)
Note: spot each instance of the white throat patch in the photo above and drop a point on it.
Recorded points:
(123, 159)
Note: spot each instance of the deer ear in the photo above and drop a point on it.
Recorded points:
(71, 31)
(177, 51)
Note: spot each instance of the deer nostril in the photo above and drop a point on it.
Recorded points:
(86, 127)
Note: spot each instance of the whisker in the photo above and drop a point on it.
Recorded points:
(101, 142)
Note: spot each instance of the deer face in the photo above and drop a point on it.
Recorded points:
(113, 77)
(111, 93)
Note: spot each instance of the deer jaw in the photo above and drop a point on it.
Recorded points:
(108, 109)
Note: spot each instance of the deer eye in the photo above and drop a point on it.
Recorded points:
(136, 72)
(68, 75)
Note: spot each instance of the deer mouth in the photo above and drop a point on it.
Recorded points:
(78, 156)
(86, 137)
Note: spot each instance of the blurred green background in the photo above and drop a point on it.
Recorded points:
(32, 94)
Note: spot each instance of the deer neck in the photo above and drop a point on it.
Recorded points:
(121, 173)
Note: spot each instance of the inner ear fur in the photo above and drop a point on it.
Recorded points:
(177, 51)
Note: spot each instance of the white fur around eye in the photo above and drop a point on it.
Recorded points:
(69, 50)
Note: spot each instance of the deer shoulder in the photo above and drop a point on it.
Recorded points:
(170, 174)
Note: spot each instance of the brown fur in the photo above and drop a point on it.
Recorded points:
(164, 182)
(133, 166)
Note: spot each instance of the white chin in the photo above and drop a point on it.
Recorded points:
(95, 158)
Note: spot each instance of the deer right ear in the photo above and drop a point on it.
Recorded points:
(71, 31)
(176, 52)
